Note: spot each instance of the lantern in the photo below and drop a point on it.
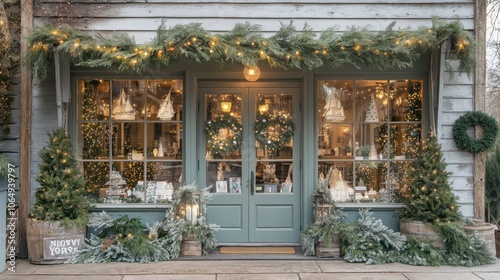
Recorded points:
(322, 210)
(191, 207)
(226, 106)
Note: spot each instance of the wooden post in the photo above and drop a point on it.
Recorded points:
(479, 104)
(25, 130)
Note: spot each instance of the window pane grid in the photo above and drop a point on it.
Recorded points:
(372, 126)
(130, 138)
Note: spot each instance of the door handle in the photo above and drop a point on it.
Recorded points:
(252, 185)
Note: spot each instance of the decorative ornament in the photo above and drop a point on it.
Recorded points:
(224, 136)
(467, 143)
(371, 114)
(334, 111)
(275, 131)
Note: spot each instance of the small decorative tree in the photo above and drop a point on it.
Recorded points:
(60, 210)
(429, 196)
(61, 195)
(430, 200)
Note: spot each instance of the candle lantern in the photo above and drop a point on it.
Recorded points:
(322, 210)
(192, 206)
(323, 205)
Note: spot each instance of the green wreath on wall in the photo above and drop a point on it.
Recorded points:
(224, 136)
(274, 131)
(467, 143)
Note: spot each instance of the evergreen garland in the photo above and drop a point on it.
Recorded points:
(61, 195)
(274, 131)
(288, 48)
(467, 143)
(221, 147)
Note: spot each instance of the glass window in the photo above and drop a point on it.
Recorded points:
(367, 134)
(130, 138)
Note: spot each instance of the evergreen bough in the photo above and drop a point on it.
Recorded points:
(61, 195)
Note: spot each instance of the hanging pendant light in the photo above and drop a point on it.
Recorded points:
(252, 73)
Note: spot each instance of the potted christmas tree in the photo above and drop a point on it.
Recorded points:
(432, 213)
(57, 223)
(429, 200)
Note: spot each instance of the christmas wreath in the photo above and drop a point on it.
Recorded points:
(274, 131)
(224, 135)
(465, 142)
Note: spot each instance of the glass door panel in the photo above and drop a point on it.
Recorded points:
(249, 158)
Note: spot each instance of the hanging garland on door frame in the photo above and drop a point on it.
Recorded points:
(467, 143)
(283, 128)
(220, 147)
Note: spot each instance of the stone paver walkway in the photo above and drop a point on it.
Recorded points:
(315, 269)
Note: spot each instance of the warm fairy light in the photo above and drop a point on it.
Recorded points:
(357, 48)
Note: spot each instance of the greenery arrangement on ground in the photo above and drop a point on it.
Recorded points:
(126, 239)
(61, 195)
(370, 241)
(288, 48)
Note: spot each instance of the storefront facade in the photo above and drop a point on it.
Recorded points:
(207, 123)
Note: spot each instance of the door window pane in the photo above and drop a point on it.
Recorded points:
(274, 130)
(224, 139)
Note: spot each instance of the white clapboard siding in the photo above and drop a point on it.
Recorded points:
(141, 18)
(457, 98)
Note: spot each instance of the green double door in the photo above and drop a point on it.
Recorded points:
(256, 181)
